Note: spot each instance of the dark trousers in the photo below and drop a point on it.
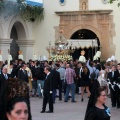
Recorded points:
(34, 85)
(113, 96)
(77, 85)
(54, 94)
(60, 89)
(118, 96)
(64, 87)
(47, 98)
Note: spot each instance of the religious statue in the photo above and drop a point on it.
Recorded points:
(9, 56)
(82, 58)
(95, 58)
(20, 56)
(97, 55)
(0, 55)
(35, 57)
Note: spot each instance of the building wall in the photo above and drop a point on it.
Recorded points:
(5, 40)
(98, 5)
(46, 28)
(44, 31)
(116, 33)
(116, 18)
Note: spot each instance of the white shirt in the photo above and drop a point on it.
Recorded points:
(47, 75)
(5, 75)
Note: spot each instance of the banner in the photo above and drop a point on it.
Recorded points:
(35, 2)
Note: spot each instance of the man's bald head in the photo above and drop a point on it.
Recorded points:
(68, 65)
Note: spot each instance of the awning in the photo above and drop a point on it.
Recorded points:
(35, 2)
(82, 43)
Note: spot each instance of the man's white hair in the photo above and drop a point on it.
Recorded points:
(5, 67)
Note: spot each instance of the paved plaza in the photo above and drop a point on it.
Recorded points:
(67, 111)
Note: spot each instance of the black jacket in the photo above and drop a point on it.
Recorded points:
(23, 76)
(2, 95)
(112, 79)
(2, 77)
(56, 79)
(48, 85)
(13, 73)
(118, 77)
(40, 75)
(33, 70)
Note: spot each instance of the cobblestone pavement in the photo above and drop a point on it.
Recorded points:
(67, 111)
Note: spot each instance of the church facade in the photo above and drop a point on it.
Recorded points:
(96, 19)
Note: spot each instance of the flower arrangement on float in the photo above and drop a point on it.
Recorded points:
(61, 57)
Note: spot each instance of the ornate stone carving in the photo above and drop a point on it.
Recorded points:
(83, 4)
(98, 21)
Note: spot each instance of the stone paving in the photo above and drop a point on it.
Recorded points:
(67, 111)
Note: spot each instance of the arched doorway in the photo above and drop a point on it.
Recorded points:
(17, 33)
(85, 34)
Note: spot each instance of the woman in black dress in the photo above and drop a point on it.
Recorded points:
(84, 83)
(98, 111)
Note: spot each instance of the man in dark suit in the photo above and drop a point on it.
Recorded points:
(22, 73)
(34, 82)
(12, 71)
(47, 91)
(15, 64)
(78, 70)
(117, 88)
(113, 76)
(56, 82)
(3, 77)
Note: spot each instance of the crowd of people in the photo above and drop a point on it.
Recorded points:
(66, 78)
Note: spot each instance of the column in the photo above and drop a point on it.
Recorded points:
(27, 47)
(4, 46)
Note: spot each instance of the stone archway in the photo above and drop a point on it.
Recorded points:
(18, 29)
(17, 33)
(98, 21)
(1, 35)
(18, 22)
(85, 34)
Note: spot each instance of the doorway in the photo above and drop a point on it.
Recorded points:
(17, 33)
(14, 46)
(85, 34)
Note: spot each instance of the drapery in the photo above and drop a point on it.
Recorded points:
(81, 43)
